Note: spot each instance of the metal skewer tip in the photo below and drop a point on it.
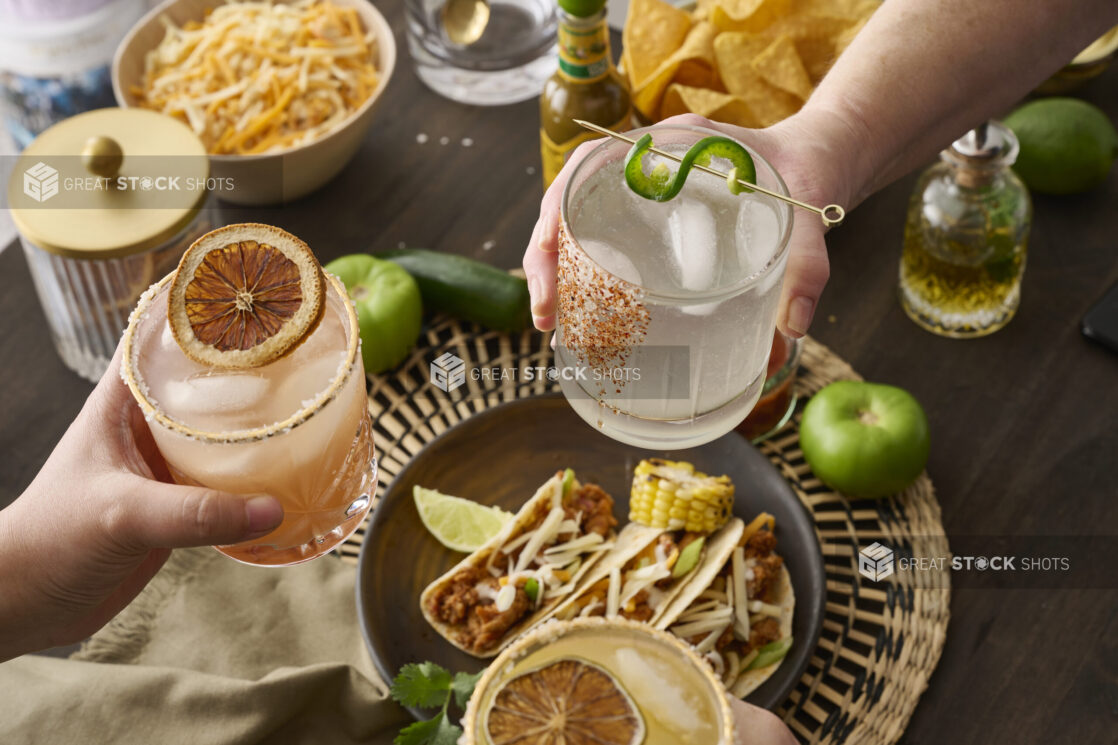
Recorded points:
(831, 215)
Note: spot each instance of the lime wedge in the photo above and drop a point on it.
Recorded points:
(459, 524)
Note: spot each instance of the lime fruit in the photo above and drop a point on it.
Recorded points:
(865, 439)
(389, 308)
(1067, 145)
(459, 524)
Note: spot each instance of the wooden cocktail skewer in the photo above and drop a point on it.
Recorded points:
(831, 215)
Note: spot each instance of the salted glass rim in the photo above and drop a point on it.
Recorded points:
(554, 629)
(716, 294)
(129, 372)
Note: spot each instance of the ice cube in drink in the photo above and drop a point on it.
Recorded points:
(705, 269)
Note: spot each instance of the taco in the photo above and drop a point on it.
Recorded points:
(641, 576)
(521, 574)
(737, 610)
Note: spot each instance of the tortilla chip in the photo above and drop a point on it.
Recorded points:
(767, 54)
(703, 10)
(842, 41)
(734, 53)
(748, 15)
(814, 37)
(693, 62)
(653, 31)
(714, 105)
(822, 29)
(780, 65)
(848, 9)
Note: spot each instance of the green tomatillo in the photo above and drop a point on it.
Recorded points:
(865, 439)
(389, 308)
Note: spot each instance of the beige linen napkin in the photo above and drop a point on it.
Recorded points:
(212, 651)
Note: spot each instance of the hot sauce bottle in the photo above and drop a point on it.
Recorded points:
(586, 86)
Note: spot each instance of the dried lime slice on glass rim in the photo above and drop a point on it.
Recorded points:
(245, 295)
(567, 702)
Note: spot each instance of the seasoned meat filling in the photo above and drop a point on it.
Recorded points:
(596, 507)
(763, 632)
(453, 601)
(481, 624)
(487, 625)
(641, 611)
(760, 547)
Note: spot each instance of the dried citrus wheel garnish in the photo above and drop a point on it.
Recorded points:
(567, 702)
(245, 295)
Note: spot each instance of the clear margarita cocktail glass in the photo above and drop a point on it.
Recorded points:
(666, 309)
(297, 428)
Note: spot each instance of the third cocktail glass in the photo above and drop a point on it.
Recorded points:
(667, 309)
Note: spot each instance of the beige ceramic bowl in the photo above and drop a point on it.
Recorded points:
(256, 178)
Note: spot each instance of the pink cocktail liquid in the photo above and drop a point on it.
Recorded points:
(321, 469)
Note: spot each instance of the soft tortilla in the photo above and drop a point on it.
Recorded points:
(633, 539)
(783, 596)
(541, 501)
(749, 680)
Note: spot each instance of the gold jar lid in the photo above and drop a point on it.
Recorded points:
(108, 183)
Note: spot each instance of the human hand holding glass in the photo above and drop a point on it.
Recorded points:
(799, 160)
(680, 296)
(99, 520)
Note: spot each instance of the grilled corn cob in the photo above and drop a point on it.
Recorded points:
(673, 495)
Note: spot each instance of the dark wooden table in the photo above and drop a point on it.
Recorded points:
(1024, 422)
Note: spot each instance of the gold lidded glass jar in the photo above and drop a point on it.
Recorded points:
(665, 693)
(965, 237)
(106, 203)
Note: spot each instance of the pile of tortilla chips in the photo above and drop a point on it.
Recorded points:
(745, 62)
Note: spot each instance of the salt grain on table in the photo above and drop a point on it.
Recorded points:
(444, 140)
(467, 142)
(488, 245)
(530, 170)
(421, 138)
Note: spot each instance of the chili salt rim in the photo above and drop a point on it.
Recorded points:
(131, 377)
(711, 295)
(553, 629)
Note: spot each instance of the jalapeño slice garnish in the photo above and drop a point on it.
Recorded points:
(661, 185)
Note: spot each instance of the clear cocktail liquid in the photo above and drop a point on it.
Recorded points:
(704, 347)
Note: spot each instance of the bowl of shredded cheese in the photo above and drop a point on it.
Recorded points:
(280, 93)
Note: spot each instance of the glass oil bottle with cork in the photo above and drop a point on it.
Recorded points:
(965, 237)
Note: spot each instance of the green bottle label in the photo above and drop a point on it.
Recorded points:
(583, 49)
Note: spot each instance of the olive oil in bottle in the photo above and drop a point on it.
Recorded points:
(586, 86)
(965, 237)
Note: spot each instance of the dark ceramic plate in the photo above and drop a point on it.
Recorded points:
(501, 456)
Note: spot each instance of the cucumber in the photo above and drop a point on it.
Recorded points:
(466, 288)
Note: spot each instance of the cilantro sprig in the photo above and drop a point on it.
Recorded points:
(429, 686)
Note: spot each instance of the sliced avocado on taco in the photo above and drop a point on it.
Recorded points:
(737, 612)
(526, 570)
(645, 571)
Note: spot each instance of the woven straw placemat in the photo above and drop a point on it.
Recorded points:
(880, 641)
